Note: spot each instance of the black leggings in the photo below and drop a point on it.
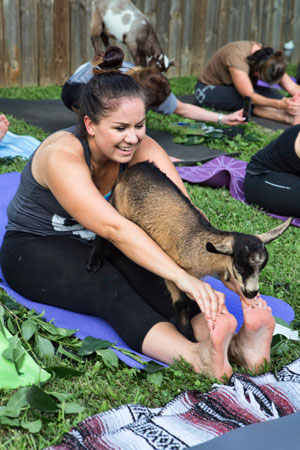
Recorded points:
(276, 192)
(227, 98)
(52, 270)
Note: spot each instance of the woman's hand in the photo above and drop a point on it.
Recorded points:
(291, 105)
(210, 302)
(235, 118)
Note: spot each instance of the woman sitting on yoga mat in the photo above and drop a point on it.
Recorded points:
(233, 73)
(273, 175)
(61, 205)
(156, 86)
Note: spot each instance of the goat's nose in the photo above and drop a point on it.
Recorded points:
(250, 294)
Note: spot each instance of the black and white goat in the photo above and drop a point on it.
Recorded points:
(123, 21)
(147, 197)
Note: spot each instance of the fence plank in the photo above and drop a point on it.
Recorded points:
(211, 29)
(29, 42)
(162, 21)
(2, 59)
(198, 37)
(223, 21)
(176, 47)
(296, 32)
(62, 40)
(12, 47)
(46, 42)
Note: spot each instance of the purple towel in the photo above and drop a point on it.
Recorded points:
(95, 326)
(223, 171)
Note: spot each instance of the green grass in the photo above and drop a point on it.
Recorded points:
(102, 385)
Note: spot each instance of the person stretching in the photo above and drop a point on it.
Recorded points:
(59, 208)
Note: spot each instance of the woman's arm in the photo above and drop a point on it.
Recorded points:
(195, 112)
(289, 85)
(244, 86)
(150, 150)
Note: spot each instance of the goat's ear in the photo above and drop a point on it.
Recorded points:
(220, 249)
(269, 236)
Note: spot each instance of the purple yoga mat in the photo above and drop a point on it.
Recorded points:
(275, 86)
(223, 171)
(95, 326)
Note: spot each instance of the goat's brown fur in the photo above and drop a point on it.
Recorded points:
(147, 197)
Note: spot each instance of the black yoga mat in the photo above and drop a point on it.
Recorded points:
(266, 123)
(52, 115)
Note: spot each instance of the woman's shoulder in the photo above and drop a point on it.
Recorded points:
(61, 143)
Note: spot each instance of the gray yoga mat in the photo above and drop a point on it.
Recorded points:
(278, 434)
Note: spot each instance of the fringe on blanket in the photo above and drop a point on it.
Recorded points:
(193, 417)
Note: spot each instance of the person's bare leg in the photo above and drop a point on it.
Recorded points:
(250, 348)
(4, 124)
(275, 114)
(164, 342)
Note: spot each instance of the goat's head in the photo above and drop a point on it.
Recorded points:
(161, 62)
(248, 256)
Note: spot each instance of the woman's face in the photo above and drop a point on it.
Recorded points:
(117, 136)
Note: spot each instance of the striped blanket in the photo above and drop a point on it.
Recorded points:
(193, 417)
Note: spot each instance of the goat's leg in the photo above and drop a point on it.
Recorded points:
(104, 39)
(96, 255)
(181, 304)
(137, 54)
(96, 32)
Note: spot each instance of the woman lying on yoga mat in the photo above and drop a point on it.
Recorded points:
(4, 124)
(156, 86)
(61, 204)
(233, 73)
(273, 175)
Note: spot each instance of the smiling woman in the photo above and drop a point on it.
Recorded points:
(60, 207)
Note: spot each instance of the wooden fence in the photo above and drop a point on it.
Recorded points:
(43, 41)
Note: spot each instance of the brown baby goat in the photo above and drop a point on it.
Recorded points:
(147, 197)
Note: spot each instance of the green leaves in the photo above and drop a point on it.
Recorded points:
(109, 357)
(38, 399)
(15, 353)
(91, 344)
(43, 346)
(28, 329)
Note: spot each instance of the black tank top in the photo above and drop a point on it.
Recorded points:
(34, 209)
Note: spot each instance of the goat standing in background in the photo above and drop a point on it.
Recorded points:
(147, 197)
(122, 21)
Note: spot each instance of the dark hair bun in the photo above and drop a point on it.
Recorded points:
(112, 58)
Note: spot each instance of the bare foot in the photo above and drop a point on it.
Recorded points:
(212, 355)
(251, 346)
(4, 124)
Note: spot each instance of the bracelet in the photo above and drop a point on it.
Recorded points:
(220, 118)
